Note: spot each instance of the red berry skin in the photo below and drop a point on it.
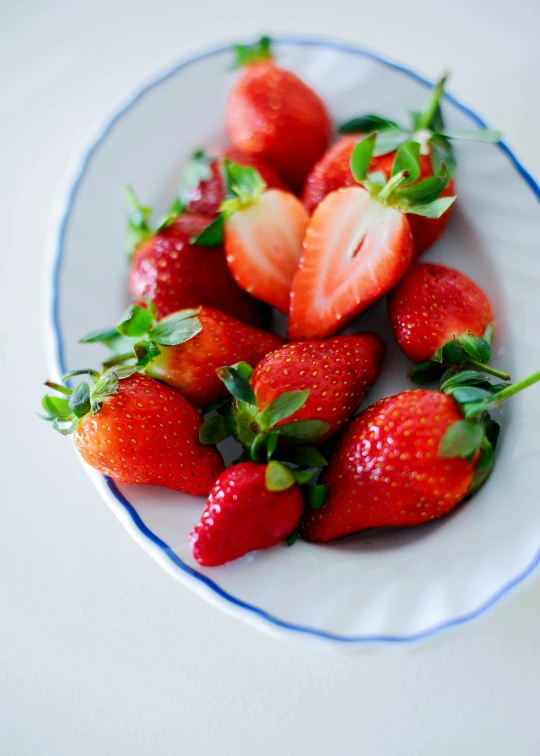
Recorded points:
(209, 194)
(272, 114)
(149, 434)
(386, 470)
(333, 172)
(177, 275)
(338, 372)
(190, 368)
(431, 305)
(242, 515)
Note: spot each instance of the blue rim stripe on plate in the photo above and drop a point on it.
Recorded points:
(137, 521)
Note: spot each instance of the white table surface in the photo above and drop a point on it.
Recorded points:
(100, 651)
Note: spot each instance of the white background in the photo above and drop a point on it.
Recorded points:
(100, 651)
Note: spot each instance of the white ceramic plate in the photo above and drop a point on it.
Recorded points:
(392, 587)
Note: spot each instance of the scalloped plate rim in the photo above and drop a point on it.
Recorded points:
(126, 513)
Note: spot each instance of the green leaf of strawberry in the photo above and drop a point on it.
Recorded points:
(366, 124)
(462, 439)
(304, 431)
(407, 159)
(176, 328)
(214, 430)
(284, 406)
(361, 157)
(278, 477)
(247, 55)
(477, 348)
(315, 495)
(135, 322)
(303, 456)
(237, 384)
(212, 235)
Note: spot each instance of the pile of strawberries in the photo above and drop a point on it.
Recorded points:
(283, 219)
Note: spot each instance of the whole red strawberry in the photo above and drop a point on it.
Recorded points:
(136, 430)
(273, 114)
(203, 188)
(250, 507)
(302, 392)
(412, 457)
(174, 273)
(185, 349)
(358, 243)
(386, 470)
(434, 306)
(333, 172)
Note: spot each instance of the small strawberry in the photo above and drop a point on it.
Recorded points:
(333, 170)
(411, 457)
(358, 243)
(250, 507)
(185, 349)
(263, 230)
(439, 317)
(301, 392)
(273, 114)
(203, 189)
(167, 268)
(135, 430)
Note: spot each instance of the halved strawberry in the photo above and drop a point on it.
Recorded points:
(203, 189)
(332, 171)
(358, 243)
(263, 230)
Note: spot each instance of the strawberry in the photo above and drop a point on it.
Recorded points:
(203, 187)
(358, 243)
(333, 170)
(135, 430)
(411, 457)
(262, 230)
(167, 268)
(440, 318)
(273, 114)
(301, 392)
(250, 507)
(184, 349)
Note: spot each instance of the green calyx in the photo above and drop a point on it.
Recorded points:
(401, 191)
(65, 412)
(427, 129)
(260, 431)
(248, 55)
(198, 169)
(244, 186)
(139, 225)
(475, 436)
(143, 334)
(461, 352)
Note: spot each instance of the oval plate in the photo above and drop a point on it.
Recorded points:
(385, 588)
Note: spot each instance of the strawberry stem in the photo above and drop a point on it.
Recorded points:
(429, 112)
(515, 388)
(488, 369)
(58, 387)
(392, 185)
